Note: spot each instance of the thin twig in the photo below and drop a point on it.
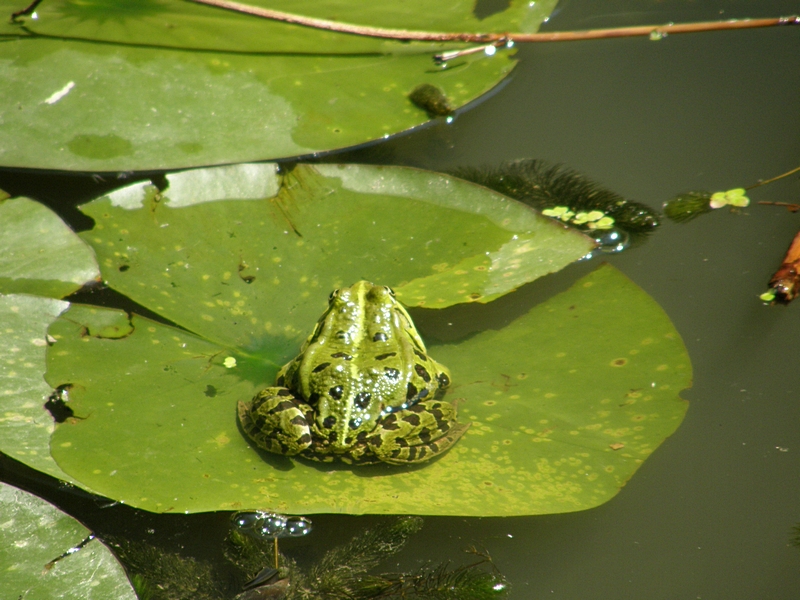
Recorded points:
(485, 38)
(790, 207)
(766, 181)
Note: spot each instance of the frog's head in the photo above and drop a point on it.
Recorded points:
(362, 293)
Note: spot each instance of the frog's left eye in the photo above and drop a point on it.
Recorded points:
(333, 295)
(390, 290)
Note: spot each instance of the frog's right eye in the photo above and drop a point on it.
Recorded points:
(333, 295)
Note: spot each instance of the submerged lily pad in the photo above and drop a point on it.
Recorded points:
(39, 254)
(212, 86)
(566, 402)
(35, 532)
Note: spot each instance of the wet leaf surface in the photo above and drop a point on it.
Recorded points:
(212, 86)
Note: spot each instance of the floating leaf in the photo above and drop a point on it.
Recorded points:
(212, 86)
(565, 403)
(255, 268)
(26, 425)
(35, 532)
(39, 254)
(736, 197)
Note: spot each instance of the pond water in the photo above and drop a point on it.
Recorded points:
(710, 513)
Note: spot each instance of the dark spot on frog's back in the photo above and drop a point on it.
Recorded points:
(379, 337)
(411, 392)
(336, 392)
(412, 419)
(342, 355)
(390, 422)
(362, 399)
(385, 356)
(391, 373)
(320, 367)
(422, 372)
(284, 392)
(420, 354)
(329, 422)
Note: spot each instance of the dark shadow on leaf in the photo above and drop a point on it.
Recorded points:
(32, 35)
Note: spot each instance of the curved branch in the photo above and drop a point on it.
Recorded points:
(485, 38)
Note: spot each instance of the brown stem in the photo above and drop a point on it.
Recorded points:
(790, 207)
(484, 38)
(766, 181)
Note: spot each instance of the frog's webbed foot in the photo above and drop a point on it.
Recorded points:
(275, 420)
(417, 433)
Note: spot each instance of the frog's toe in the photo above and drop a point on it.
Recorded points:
(275, 422)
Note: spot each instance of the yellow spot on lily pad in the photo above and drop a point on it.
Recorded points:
(229, 362)
(222, 439)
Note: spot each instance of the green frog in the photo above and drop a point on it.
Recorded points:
(362, 390)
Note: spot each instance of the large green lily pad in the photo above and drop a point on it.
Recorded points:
(247, 258)
(103, 85)
(33, 533)
(565, 403)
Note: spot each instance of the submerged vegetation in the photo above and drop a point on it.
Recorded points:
(559, 192)
(341, 574)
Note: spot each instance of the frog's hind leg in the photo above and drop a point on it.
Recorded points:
(417, 434)
(275, 421)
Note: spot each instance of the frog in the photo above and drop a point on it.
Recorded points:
(362, 390)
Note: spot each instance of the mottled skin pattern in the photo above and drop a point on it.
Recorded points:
(362, 389)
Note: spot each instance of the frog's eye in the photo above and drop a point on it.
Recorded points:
(333, 295)
(390, 290)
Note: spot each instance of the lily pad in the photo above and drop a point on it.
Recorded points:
(253, 269)
(565, 402)
(212, 86)
(35, 532)
(26, 425)
(39, 254)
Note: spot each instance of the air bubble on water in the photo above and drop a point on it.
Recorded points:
(490, 50)
(611, 241)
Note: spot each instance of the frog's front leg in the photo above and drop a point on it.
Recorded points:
(416, 434)
(276, 421)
